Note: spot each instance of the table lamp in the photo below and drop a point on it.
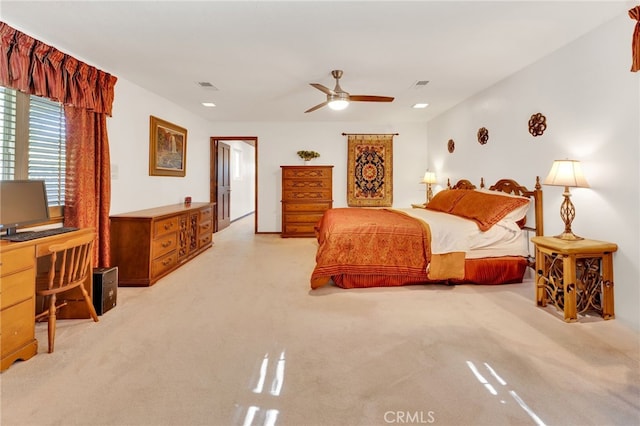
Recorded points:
(567, 173)
(429, 179)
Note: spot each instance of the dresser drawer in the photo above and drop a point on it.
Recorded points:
(164, 226)
(306, 229)
(206, 214)
(306, 207)
(17, 287)
(17, 326)
(306, 184)
(311, 218)
(302, 195)
(164, 244)
(204, 240)
(16, 260)
(164, 263)
(306, 172)
(206, 227)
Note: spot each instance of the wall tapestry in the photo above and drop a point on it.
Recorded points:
(370, 171)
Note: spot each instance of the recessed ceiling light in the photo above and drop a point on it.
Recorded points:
(418, 106)
(208, 104)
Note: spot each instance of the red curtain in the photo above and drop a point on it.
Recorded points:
(635, 43)
(36, 68)
(88, 181)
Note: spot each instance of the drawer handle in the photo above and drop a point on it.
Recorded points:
(166, 244)
(168, 226)
(166, 262)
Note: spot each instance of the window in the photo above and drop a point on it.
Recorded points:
(33, 143)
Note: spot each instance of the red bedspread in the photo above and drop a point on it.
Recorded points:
(371, 242)
(361, 247)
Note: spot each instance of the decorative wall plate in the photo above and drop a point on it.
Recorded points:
(483, 135)
(537, 124)
(451, 145)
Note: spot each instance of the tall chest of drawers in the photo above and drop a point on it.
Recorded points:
(148, 244)
(306, 194)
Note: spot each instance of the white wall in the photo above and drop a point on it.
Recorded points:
(131, 186)
(591, 102)
(134, 189)
(279, 142)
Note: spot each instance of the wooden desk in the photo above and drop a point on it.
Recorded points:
(19, 264)
(575, 276)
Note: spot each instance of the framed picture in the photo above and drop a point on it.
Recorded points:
(167, 148)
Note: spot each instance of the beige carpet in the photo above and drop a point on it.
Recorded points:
(236, 337)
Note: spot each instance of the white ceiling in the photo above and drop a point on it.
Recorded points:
(262, 55)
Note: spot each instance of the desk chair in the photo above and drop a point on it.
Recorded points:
(70, 267)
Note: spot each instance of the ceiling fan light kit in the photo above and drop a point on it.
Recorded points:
(338, 102)
(338, 99)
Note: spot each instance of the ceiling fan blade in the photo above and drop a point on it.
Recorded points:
(323, 89)
(316, 107)
(369, 98)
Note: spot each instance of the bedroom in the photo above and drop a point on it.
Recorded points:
(584, 89)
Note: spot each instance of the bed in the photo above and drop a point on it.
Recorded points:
(464, 235)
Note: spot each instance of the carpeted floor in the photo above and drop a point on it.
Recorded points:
(236, 337)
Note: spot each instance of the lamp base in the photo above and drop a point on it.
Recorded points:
(569, 236)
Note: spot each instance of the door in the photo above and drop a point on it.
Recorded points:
(223, 185)
(221, 172)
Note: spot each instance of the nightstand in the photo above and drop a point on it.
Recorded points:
(575, 276)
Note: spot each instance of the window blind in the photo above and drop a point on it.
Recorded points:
(47, 150)
(7, 133)
(32, 141)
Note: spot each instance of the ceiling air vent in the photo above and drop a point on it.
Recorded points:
(207, 85)
(421, 83)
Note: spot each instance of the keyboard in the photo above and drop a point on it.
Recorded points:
(32, 235)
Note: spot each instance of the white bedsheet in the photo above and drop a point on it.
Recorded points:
(451, 233)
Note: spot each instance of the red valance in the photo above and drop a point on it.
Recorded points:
(635, 43)
(36, 68)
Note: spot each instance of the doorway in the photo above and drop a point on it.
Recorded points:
(228, 168)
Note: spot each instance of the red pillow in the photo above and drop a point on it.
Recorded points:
(445, 200)
(485, 209)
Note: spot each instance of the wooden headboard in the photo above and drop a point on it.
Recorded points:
(510, 186)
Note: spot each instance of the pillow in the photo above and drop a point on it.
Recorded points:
(518, 215)
(486, 209)
(445, 200)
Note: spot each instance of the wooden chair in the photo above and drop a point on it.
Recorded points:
(69, 268)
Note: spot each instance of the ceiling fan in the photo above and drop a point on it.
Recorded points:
(338, 99)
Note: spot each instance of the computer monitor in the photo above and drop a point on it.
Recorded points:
(22, 202)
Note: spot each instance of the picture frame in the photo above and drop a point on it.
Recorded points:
(167, 148)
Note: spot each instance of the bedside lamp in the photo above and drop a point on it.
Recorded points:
(429, 179)
(567, 173)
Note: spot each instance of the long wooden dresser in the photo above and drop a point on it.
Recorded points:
(306, 194)
(148, 244)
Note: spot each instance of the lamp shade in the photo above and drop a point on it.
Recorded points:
(429, 177)
(566, 173)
